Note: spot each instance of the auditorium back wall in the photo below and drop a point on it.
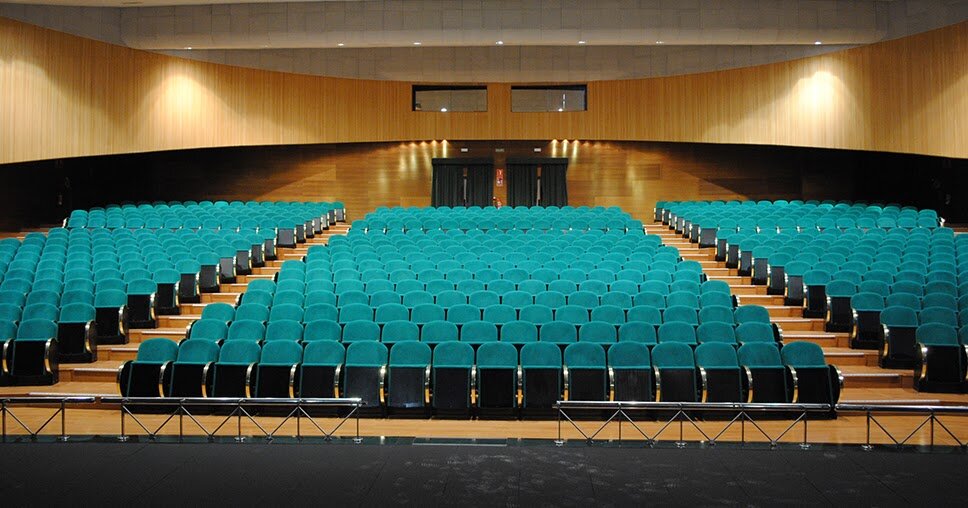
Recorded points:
(632, 175)
(64, 96)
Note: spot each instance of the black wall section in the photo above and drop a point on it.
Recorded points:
(367, 175)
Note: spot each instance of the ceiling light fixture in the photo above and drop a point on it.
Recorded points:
(817, 42)
(499, 43)
(416, 43)
(581, 42)
(660, 42)
(188, 47)
(443, 110)
(340, 44)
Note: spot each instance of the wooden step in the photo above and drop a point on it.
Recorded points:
(718, 273)
(874, 377)
(799, 324)
(822, 339)
(734, 280)
(762, 299)
(141, 335)
(268, 270)
(224, 297)
(781, 311)
(117, 352)
(245, 279)
(180, 321)
(840, 357)
(103, 371)
(747, 289)
(192, 309)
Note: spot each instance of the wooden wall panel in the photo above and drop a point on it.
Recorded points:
(64, 96)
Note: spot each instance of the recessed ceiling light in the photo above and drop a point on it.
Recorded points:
(499, 43)
(581, 42)
(818, 42)
(416, 43)
(443, 110)
(561, 109)
(188, 47)
(660, 42)
(340, 44)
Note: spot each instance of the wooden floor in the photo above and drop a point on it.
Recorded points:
(865, 382)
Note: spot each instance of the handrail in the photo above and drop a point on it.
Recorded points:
(48, 400)
(899, 408)
(232, 401)
(693, 406)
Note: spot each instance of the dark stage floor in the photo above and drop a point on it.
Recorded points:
(440, 474)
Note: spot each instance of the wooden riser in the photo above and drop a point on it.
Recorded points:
(795, 324)
(735, 280)
(117, 353)
(765, 300)
(719, 272)
(780, 311)
(747, 289)
(180, 321)
(878, 380)
(822, 339)
(842, 357)
(245, 279)
(224, 297)
(140, 335)
(699, 256)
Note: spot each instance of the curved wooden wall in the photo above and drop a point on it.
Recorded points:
(64, 96)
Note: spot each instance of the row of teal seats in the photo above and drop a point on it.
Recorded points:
(890, 327)
(661, 272)
(500, 313)
(686, 282)
(454, 378)
(485, 298)
(480, 332)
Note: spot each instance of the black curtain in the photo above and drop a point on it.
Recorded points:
(522, 181)
(480, 184)
(448, 188)
(448, 183)
(554, 183)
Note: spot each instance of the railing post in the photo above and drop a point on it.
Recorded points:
(620, 425)
(123, 438)
(238, 409)
(3, 415)
(63, 415)
(559, 441)
(867, 447)
(181, 417)
(358, 439)
(932, 428)
(805, 445)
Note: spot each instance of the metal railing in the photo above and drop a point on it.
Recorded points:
(296, 409)
(684, 414)
(681, 415)
(931, 420)
(60, 403)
